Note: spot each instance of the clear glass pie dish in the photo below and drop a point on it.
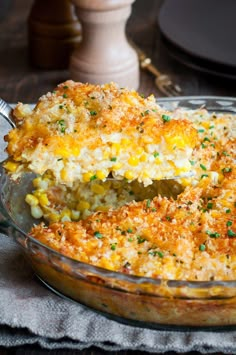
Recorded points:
(141, 301)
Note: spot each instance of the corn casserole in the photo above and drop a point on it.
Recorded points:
(77, 136)
(84, 132)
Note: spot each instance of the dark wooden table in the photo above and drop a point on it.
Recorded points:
(19, 81)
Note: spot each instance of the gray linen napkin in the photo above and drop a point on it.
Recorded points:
(32, 314)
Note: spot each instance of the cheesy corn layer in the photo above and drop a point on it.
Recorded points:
(191, 238)
(84, 132)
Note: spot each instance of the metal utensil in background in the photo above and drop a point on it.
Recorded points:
(6, 112)
(162, 81)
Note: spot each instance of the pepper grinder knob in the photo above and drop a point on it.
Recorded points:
(104, 55)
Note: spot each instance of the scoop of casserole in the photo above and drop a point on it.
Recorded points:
(82, 132)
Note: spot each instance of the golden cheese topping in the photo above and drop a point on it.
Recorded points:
(84, 132)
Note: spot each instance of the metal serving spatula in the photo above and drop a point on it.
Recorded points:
(6, 112)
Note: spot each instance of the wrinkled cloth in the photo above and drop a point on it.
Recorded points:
(30, 313)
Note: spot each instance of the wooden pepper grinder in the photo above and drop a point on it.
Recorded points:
(54, 32)
(104, 54)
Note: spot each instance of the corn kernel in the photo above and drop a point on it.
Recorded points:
(64, 174)
(31, 200)
(175, 141)
(116, 166)
(129, 175)
(185, 181)
(11, 166)
(139, 150)
(145, 174)
(36, 182)
(53, 217)
(66, 212)
(158, 161)
(102, 208)
(125, 142)
(43, 200)
(134, 161)
(101, 174)
(106, 154)
(115, 148)
(87, 176)
(107, 184)
(66, 218)
(143, 158)
(97, 189)
(83, 205)
(36, 212)
(75, 215)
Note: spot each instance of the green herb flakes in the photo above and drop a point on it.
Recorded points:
(165, 118)
(203, 167)
(140, 239)
(98, 235)
(231, 233)
(113, 159)
(202, 247)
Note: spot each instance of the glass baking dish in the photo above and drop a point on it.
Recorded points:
(140, 301)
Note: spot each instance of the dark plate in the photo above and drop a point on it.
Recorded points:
(201, 65)
(203, 29)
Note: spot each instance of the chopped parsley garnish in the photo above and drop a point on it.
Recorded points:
(229, 223)
(61, 107)
(203, 167)
(98, 235)
(156, 252)
(201, 130)
(228, 210)
(226, 170)
(206, 139)
(148, 203)
(203, 176)
(165, 118)
(62, 125)
(209, 205)
(93, 113)
(113, 159)
(202, 247)
(156, 154)
(113, 246)
(94, 177)
(192, 162)
(65, 87)
(129, 230)
(168, 218)
(140, 239)
(213, 234)
(145, 113)
(65, 96)
(231, 233)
